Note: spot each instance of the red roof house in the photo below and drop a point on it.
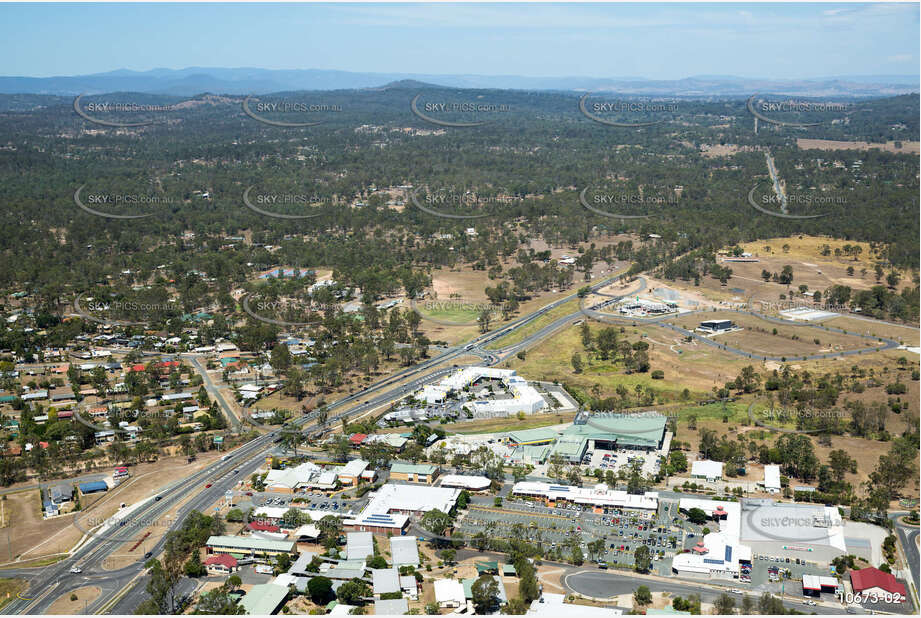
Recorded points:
(357, 438)
(261, 527)
(221, 562)
(871, 577)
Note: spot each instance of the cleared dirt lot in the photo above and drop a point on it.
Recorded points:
(697, 368)
(827, 144)
(908, 335)
(758, 336)
(37, 538)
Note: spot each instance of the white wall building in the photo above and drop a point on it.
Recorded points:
(598, 496)
(772, 478)
(525, 397)
(707, 469)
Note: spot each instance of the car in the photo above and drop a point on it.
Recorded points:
(158, 498)
(76, 569)
(810, 602)
(148, 555)
(208, 486)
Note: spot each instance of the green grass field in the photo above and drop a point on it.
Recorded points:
(531, 328)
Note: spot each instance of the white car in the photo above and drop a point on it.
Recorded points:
(76, 570)
(811, 602)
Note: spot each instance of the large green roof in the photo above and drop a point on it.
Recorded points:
(263, 599)
(628, 429)
(532, 436)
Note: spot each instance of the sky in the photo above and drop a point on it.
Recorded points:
(650, 40)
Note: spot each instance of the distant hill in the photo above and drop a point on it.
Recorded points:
(242, 81)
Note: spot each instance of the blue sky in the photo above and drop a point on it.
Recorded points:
(659, 41)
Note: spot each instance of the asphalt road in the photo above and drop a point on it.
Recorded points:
(602, 585)
(48, 583)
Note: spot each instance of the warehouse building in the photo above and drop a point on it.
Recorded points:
(772, 479)
(707, 470)
(715, 327)
(522, 396)
(806, 531)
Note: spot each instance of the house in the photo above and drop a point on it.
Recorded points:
(221, 564)
(707, 469)
(357, 438)
(873, 582)
(449, 593)
(60, 494)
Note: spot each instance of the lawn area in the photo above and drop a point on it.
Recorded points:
(9, 588)
(522, 333)
(498, 425)
(736, 410)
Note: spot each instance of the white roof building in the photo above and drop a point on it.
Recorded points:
(396, 502)
(292, 478)
(353, 469)
(553, 604)
(449, 593)
(599, 495)
(404, 551)
(707, 469)
(718, 553)
(359, 545)
(473, 483)
(525, 397)
(772, 478)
